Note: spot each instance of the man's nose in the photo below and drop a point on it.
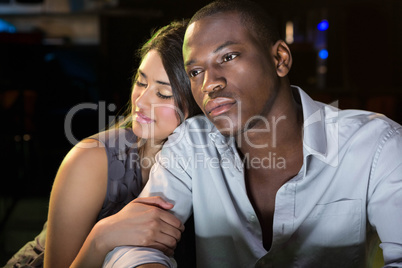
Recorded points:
(213, 81)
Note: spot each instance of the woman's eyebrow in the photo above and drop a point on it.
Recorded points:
(157, 81)
(142, 74)
(163, 83)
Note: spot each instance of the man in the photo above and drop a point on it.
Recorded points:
(273, 178)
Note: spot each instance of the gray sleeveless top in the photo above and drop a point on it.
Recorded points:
(124, 184)
(124, 172)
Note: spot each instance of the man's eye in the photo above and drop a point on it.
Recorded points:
(229, 57)
(194, 73)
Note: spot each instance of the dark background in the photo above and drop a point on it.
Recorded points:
(41, 81)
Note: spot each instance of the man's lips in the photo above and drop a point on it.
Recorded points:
(142, 118)
(219, 105)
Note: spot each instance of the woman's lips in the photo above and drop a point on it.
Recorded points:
(219, 105)
(142, 118)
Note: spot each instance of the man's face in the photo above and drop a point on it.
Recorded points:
(233, 76)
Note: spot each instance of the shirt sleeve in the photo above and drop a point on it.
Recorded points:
(170, 179)
(385, 197)
(128, 257)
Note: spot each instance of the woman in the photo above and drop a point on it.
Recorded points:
(91, 209)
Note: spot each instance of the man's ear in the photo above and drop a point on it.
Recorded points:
(282, 57)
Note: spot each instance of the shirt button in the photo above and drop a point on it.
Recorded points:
(252, 218)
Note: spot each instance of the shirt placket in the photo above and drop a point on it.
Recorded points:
(251, 222)
(283, 225)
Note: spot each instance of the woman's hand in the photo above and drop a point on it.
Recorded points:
(143, 222)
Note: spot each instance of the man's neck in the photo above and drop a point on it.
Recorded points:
(281, 133)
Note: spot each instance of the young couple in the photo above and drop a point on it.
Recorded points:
(338, 188)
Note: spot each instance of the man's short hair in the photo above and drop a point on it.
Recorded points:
(252, 15)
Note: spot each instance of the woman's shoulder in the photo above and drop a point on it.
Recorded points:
(101, 146)
(115, 141)
(86, 152)
(115, 136)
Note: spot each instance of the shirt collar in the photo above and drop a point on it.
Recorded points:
(314, 136)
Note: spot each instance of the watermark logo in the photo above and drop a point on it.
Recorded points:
(324, 119)
(103, 119)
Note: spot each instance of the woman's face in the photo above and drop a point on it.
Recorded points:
(154, 111)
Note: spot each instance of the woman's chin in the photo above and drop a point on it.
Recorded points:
(139, 131)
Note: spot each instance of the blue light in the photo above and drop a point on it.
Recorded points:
(6, 27)
(323, 25)
(323, 54)
(49, 57)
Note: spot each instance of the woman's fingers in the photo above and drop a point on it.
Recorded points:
(163, 222)
(152, 226)
(158, 201)
(155, 201)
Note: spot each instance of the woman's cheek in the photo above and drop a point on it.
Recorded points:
(168, 116)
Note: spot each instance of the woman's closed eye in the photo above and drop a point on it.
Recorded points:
(138, 83)
(164, 92)
(163, 96)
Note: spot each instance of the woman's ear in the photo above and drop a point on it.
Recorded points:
(283, 58)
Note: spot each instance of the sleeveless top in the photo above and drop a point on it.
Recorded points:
(124, 171)
(124, 184)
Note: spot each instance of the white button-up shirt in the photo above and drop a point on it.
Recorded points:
(348, 191)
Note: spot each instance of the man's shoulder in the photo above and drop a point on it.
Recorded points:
(192, 134)
(198, 122)
(197, 127)
(362, 118)
(351, 118)
(369, 124)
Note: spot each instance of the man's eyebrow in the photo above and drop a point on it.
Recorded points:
(227, 43)
(189, 63)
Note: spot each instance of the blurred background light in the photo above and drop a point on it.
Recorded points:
(323, 25)
(6, 27)
(323, 54)
(289, 32)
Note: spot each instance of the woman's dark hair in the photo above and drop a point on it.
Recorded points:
(168, 42)
(253, 16)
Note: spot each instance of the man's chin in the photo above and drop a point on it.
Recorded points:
(227, 134)
(228, 131)
(226, 125)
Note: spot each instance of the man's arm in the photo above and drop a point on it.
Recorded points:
(127, 256)
(152, 265)
(169, 181)
(385, 198)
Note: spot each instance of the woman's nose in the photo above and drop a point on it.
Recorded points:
(142, 98)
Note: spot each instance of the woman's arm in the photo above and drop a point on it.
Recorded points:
(76, 199)
(142, 222)
(78, 193)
